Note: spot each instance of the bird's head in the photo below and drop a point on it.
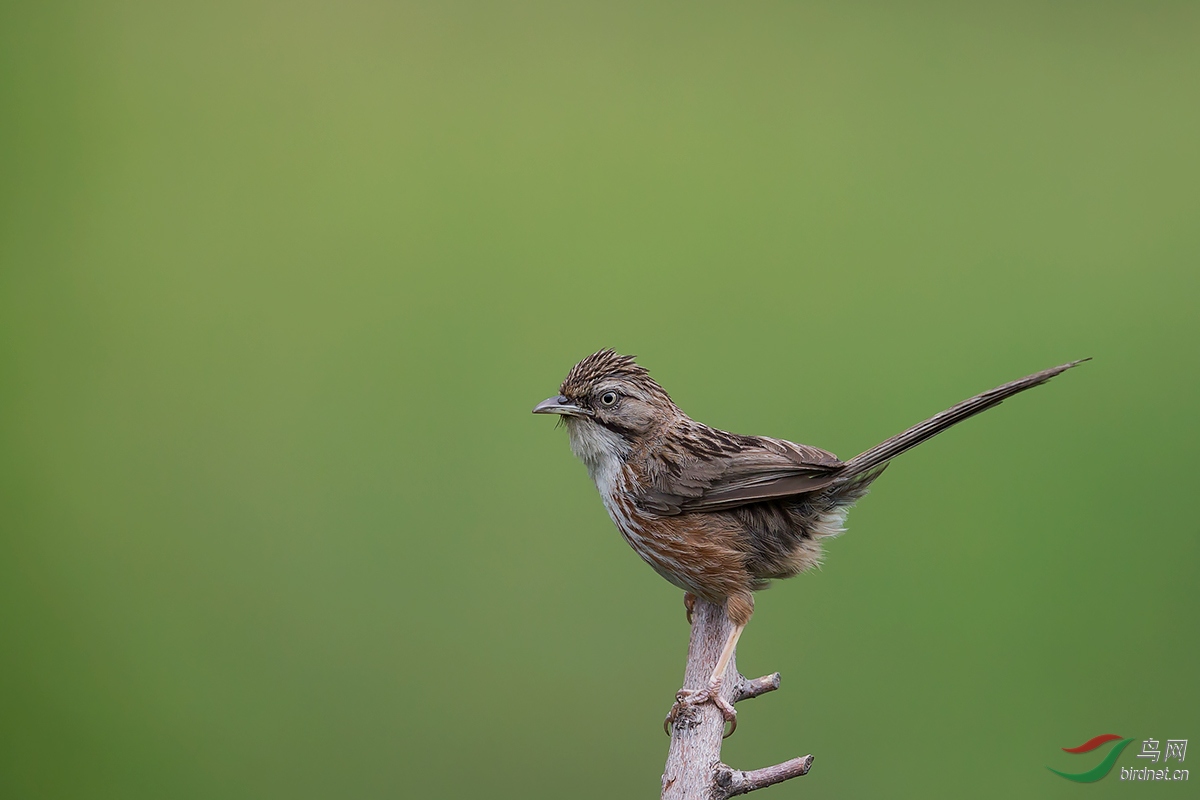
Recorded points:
(608, 402)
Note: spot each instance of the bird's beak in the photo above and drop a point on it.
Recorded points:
(560, 405)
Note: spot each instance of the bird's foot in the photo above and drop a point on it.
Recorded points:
(686, 699)
(689, 602)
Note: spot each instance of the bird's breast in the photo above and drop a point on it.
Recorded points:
(648, 535)
(689, 550)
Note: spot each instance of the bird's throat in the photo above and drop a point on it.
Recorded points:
(602, 451)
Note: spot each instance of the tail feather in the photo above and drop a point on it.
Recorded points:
(875, 459)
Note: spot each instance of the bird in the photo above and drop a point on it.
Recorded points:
(719, 514)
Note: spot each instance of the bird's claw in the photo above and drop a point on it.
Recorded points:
(689, 603)
(690, 698)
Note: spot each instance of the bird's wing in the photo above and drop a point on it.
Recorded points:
(710, 470)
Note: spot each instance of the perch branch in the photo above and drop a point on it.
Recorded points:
(732, 782)
(749, 689)
(694, 769)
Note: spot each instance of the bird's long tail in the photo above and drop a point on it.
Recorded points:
(873, 460)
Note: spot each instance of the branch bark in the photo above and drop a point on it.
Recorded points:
(694, 769)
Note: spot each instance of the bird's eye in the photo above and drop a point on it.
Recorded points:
(608, 398)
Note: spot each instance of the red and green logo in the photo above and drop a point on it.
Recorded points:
(1100, 770)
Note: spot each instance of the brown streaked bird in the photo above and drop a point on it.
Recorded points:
(719, 514)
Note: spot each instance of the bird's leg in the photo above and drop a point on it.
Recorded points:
(695, 697)
(718, 675)
(689, 602)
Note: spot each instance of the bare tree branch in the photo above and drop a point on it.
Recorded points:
(732, 782)
(749, 689)
(694, 770)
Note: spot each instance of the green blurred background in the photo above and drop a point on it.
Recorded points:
(281, 282)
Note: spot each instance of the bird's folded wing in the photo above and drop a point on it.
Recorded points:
(736, 471)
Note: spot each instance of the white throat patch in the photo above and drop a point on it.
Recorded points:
(601, 451)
